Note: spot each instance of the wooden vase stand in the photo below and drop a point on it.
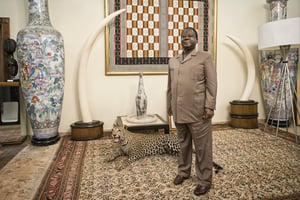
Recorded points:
(44, 141)
(87, 130)
(244, 114)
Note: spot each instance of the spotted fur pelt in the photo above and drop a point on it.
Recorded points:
(139, 145)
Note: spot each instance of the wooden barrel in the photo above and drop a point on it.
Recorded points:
(244, 114)
(87, 131)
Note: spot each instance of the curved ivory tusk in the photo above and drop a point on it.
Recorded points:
(84, 107)
(250, 66)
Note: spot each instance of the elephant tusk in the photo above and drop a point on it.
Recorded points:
(86, 51)
(250, 67)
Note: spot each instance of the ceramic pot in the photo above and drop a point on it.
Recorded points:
(278, 106)
(40, 53)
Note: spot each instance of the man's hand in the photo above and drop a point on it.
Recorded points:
(170, 112)
(208, 113)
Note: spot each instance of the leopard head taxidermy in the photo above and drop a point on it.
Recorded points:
(118, 135)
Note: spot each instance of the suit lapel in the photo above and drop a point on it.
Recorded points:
(179, 58)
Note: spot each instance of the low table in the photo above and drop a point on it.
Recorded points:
(158, 125)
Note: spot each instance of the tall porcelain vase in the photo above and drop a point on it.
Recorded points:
(40, 53)
(271, 70)
(277, 98)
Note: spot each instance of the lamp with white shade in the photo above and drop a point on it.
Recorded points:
(282, 34)
(275, 34)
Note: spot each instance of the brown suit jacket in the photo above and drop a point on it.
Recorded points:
(192, 86)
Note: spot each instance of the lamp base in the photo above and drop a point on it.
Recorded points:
(282, 123)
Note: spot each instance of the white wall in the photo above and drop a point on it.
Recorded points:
(111, 96)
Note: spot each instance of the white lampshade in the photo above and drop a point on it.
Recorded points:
(279, 33)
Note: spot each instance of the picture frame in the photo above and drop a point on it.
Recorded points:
(146, 36)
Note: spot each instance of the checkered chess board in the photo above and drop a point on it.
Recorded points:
(142, 32)
(180, 14)
(142, 26)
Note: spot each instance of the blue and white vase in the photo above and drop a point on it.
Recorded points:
(40, 53)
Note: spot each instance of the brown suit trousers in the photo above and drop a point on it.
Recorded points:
(201, 133)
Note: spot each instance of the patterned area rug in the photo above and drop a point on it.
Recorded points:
(62, 181)
(256, 166)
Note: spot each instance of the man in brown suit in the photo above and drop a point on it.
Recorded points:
(192, 89)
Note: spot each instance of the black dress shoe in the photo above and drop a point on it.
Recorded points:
(201, 190)
(179, 179)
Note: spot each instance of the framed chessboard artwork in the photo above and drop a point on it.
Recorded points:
(147, 35)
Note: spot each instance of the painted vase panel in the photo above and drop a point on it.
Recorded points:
(271, 69)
